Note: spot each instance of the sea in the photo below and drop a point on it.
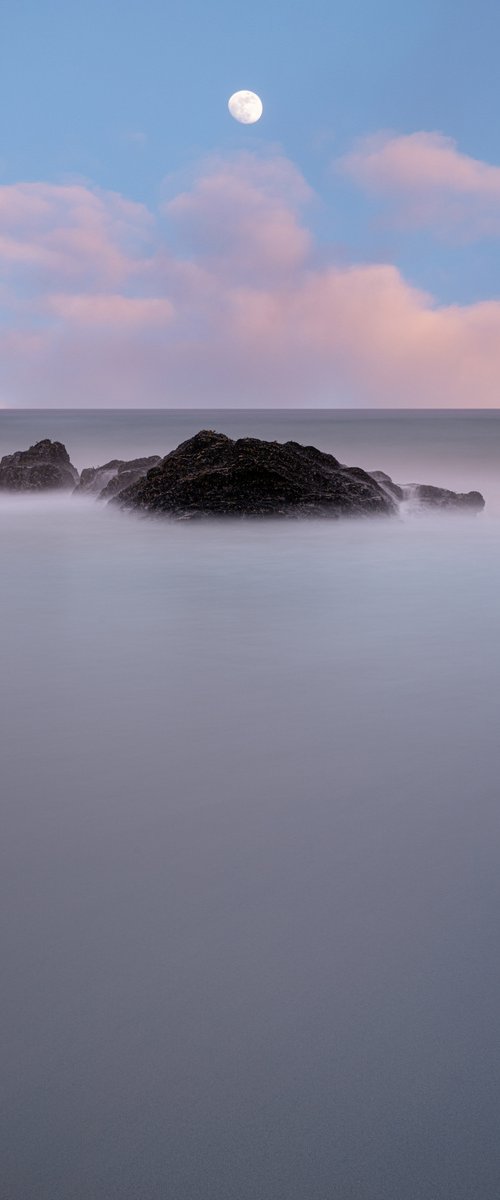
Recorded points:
(250, 810)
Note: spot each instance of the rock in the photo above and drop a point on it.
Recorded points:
(93, 479)
(388, 484)
(424, 495)
(110, 479)
(44, 466)
(212, 475)
(435, 497)
(127, 474)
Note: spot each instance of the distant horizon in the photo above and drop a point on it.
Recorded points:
(373, 409)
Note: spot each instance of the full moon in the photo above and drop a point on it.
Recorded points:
(245, 107)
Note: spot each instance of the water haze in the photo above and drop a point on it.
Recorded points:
(250, 831)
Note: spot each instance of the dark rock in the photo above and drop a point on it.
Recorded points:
(434, 497)
(388, 484)
(127, 474)
(93, 479)
(212, 475)
(110, 479)
(44, 466)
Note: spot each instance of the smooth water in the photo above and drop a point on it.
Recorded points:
(251, 832)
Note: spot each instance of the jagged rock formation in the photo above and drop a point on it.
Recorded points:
(114, 476)
(212, 475)
(43, 467)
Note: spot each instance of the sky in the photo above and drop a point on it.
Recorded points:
(344, 251)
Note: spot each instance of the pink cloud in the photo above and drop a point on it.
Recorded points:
(249, 313)
(71, 231)
(108, 309)
(428, 181)
(244, 215)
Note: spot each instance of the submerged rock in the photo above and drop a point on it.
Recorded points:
(212, 475)
(110, 479)
(45, 466)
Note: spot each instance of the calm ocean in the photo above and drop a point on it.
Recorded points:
(250, 791)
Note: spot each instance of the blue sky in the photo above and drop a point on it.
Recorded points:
(132, 97)
(75, 79)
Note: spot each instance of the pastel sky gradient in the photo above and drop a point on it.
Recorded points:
(345, 251)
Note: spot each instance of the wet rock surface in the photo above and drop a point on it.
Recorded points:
(43, 467)
(110, 479)
(212, 475)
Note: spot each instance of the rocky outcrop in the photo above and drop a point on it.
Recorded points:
(114, 476)
(45, 466)
(424, 495)
(212, 475)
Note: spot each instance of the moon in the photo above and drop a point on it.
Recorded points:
(245, 107)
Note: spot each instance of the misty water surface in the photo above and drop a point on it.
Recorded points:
(250, 855)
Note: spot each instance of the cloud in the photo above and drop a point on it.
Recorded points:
(243, 216)
(101, 307)
(70, 232)
(428, 182)
(108, 310)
